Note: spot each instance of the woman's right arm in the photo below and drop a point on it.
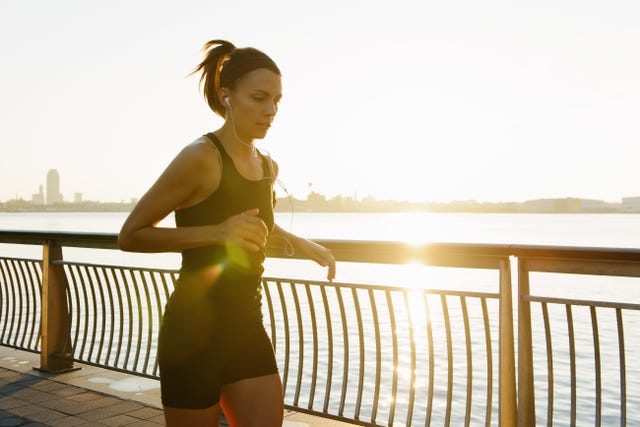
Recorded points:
(190, 178)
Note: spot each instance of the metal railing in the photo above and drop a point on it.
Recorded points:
(369, 354)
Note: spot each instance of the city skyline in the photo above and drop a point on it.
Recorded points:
(488, 101)
(55, 196)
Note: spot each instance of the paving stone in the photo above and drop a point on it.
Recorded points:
(11, 421)
(68, 391)
(46, 415)
(49, 386)
(67, 421)
(145, 413)
(10, 389)
(158, 419)
(9, 374)
(103, 401)
(34, 396)
(119, 420)
(85, 396)
(127, 406)
(101, 413)
(9, 402)
(26, 410)
(72, 408)
(144, 423)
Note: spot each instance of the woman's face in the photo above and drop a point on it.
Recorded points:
(254, 103)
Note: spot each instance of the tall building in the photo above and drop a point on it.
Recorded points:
(53, 187)
(38, 198)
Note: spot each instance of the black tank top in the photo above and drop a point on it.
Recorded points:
(234, 195)
(235, 289)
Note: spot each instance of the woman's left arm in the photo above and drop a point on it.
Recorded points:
(304, 248)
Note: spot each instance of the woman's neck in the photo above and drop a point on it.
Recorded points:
(233, 144)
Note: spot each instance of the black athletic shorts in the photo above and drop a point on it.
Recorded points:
(199, 352)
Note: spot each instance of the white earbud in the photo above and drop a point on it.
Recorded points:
(226, 100)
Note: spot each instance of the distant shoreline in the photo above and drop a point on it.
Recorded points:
(283, 206)
(318, 203)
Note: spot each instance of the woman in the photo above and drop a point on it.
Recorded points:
(213, 350)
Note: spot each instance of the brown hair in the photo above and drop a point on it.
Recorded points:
(224, 64)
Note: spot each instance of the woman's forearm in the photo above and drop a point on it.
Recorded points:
(159, 239)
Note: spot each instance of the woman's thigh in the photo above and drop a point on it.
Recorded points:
(254, 402)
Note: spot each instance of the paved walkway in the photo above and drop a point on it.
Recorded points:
(27, 400)
(89, 396)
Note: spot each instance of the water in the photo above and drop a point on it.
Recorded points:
(587, 230)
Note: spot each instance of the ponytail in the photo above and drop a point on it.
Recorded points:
(223, 65)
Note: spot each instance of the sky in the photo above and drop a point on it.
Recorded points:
(405, 100)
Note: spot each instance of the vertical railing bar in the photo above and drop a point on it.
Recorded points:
(136, 289)
(412, 343)
(29, 297)
(287, 338)
(327, 314)
(36, 297)
(121, 314)
(4, 301)
(68, 345)
(467, 333)
(489, 350)
(75, 270)
(356, 302)
(298, 310)
(156, 291)
(38, 338)
(447, 328)
(427, 307)
(17, 304)
(623, 369)
(394, 340)
(314, 331)
(74, 345)
(345, 367)
(596, 356)
(572, 360)
(24, 297)
(376, 327)
(272, 318)
(94, 318)
(112, 324)
(549, 342)
(13, 279)
(129, 315)
(35, 272)
(147, 295)
(165, 286)
(26, 311)
(103, 315)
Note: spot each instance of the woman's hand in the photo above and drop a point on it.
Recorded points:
(317, 253)
(246, 230)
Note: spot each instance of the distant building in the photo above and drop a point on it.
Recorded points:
(38, 199)
(631, 204)
(77, 197)
(53, 187)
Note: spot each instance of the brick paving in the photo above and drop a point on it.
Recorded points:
(28, 400)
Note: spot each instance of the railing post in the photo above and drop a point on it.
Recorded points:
(55, 355)
(508, 408)
(526, 394)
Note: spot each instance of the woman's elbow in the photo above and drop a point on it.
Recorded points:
(126, 242)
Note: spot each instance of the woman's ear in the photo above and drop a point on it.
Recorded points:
(223, 96)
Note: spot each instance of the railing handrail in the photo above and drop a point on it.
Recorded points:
(391, 252)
